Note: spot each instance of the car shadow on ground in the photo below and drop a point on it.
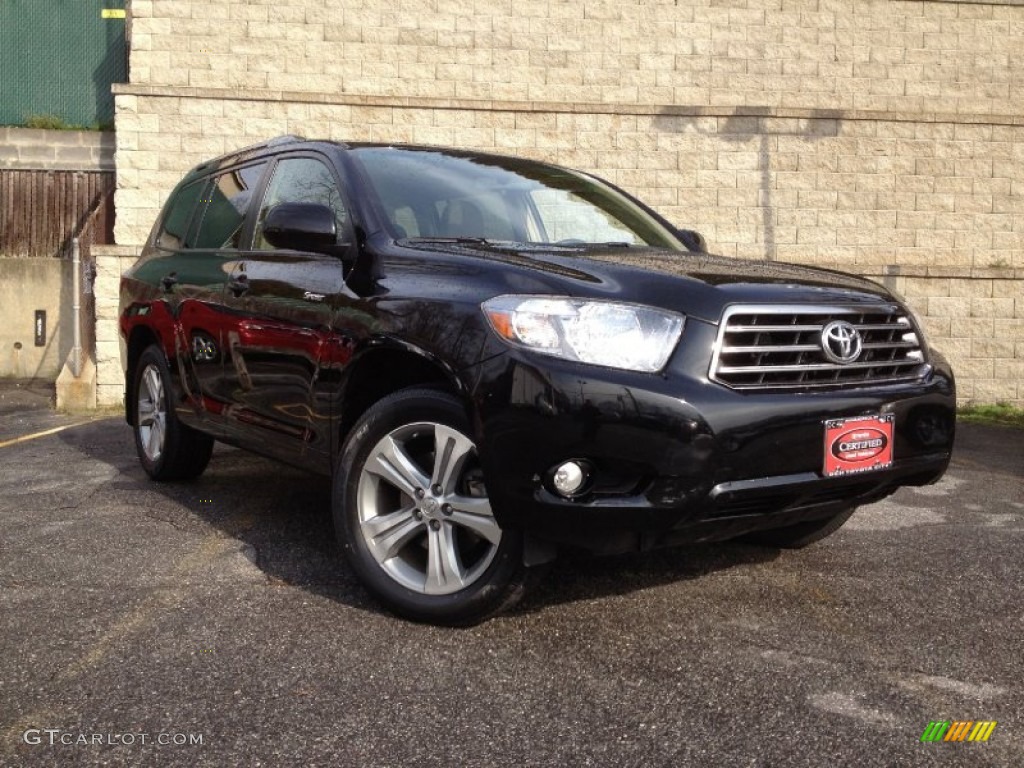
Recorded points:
(577, 576)
(284, 516)
(989, 448)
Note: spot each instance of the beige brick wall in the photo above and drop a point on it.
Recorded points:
(842, 193)
(814, 54)
(880, 137)
(976, 318)
(111, 261)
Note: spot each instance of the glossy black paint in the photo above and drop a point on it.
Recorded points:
(280, 351)
(301, 227)
(686, 459)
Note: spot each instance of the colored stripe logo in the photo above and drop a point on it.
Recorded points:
(958, 730)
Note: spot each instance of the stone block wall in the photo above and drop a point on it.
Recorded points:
(976, 318)
(111, 261)
(884, 137)
(38, 149)
(880, 55)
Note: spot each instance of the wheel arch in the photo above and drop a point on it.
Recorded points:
(384, 369)
(139, 340)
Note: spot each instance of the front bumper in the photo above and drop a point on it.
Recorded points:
(678, 458)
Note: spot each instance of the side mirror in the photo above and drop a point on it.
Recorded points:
(301, 227)
(693, 240)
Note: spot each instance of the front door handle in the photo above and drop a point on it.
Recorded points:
(239, 285)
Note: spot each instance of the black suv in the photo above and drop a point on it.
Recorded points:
(493, 357)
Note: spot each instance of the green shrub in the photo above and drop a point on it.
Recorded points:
(49, 122)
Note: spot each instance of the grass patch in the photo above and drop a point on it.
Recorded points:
(1000, 413)
(48, 122)
(57, 123)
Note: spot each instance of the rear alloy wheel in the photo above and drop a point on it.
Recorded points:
(412, 513)
(802, 534)
(167, 449)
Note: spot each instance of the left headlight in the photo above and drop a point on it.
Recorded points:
(635, 338)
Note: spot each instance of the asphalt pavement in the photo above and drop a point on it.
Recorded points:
(213, 623)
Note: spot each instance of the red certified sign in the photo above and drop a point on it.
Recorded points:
(858, 444)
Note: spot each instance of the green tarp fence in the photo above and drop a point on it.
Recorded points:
(58, 59)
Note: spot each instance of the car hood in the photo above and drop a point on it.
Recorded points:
(699, 285)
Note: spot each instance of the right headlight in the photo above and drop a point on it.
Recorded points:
(627, 336)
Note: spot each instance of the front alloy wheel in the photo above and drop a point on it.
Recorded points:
(413, 515)
(423, 510)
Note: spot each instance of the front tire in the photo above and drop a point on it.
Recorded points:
(167, 449)
(412, 514)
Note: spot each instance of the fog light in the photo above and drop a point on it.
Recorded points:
(569, 478)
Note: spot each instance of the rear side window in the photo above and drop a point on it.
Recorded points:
(174, 228)
(226, 203)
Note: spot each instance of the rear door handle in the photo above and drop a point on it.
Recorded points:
(239, 285)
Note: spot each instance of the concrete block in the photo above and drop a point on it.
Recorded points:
(992, 307)
(77, 393)
(996, 390)
(28, 286)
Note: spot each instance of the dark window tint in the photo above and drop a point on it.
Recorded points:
(301, 180)
(431, 193)
(174, 228)
(227, 201)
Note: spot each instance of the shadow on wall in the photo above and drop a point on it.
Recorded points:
(744, 128)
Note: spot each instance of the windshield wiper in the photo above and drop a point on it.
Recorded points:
(572, 242)
(470, 240)
(568, 243)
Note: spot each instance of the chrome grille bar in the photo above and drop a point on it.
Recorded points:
(818, 367)
(780, 347)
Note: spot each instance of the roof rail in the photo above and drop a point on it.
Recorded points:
(287, 138)
(274, 142)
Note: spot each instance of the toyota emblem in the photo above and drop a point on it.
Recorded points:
(841, 342)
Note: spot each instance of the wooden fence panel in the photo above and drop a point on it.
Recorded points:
(40, 211)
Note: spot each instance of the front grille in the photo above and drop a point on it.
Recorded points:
(780, 347)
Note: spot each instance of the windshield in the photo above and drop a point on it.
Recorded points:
(430, 194)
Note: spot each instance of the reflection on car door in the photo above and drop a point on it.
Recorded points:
(285, 303)
(203, 321)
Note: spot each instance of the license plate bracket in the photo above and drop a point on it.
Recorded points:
(858, 444)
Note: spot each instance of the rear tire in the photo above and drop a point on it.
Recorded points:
(167, 449)
(412, 514)
(802, 534)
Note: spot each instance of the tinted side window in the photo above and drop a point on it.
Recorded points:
(174, 228)
(227, 202)
(301, 180)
